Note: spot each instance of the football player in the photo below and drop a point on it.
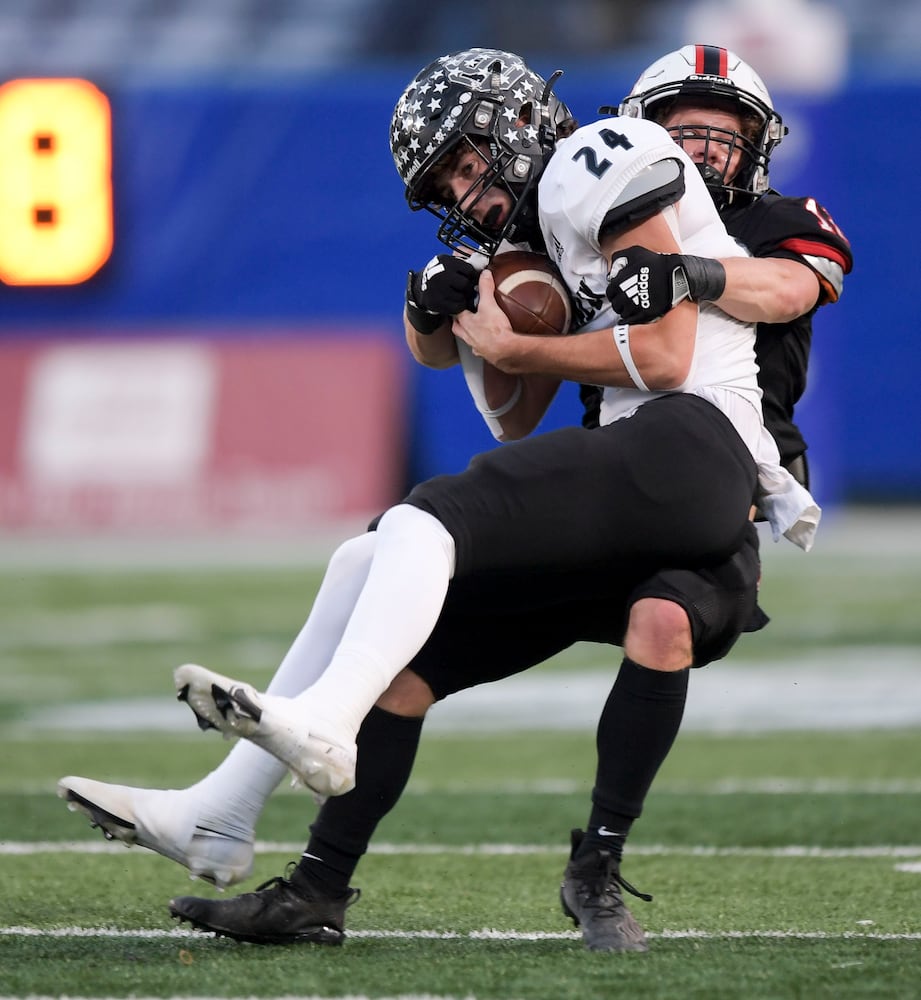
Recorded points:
(591, 586)
(717, 108)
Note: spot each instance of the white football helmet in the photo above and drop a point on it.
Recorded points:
(709, 75)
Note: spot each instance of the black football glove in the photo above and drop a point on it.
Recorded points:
(643, 286)
(446, 286)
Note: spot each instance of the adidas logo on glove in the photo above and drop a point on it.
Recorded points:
(636, 286)
(431, 270)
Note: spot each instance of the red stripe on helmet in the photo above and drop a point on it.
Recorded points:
(699, 51)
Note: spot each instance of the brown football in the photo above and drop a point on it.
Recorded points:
(531, 293)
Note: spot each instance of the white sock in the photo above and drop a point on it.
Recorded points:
(233, 795)
(394, 615)
(310, 653)
(231, 798)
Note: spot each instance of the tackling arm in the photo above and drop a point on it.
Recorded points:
(768, 289)
(750, 289)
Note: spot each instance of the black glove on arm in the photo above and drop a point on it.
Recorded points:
(444, 287)
(643, 286)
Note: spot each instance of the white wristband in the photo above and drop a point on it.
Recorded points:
(622, 341)
(472, 365)
(500, 411)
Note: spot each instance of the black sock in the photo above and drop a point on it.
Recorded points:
(637, 728)
(340, 834)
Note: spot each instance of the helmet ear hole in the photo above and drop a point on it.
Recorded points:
(527, 114)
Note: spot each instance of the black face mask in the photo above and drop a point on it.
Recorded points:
(713, 178)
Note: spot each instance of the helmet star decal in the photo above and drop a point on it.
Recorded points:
(462, 76)
(490, 100)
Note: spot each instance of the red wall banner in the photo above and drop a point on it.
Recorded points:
(177, 433)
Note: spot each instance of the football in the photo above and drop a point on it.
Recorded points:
(531, 293)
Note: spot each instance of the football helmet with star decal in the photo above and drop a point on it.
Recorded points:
(490, 101)
(710, 76)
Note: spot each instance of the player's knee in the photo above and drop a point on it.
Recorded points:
(659, 635)
(353, 555)
(407, 695)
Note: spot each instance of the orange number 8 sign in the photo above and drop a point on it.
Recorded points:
(55, 181)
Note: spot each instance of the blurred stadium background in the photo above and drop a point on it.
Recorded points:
(197, 399)
(228, 355)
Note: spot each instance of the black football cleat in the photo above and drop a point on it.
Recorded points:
(277, 912)
(591, 895)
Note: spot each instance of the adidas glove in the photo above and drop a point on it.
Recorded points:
(445, 287)
(643, 286)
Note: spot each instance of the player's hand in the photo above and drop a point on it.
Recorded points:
(643, 285)
(487, 331)
(446, 285)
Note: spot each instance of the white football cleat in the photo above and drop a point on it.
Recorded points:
(317, 756)
(162, 820)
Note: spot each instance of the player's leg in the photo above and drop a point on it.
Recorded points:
(309, 903)
(208, 827)
(566, 501)
(466, 649)
(678, 619)
(314, 733)
(396, 612)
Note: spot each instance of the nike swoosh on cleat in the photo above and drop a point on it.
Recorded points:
(217, 833)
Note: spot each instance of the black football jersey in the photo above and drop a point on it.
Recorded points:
(801, 229)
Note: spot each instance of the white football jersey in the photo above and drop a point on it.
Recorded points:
(587, 175)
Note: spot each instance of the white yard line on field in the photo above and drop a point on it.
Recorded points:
(774, 785)
(339, 996)
(790, 851)
(300, 996)
(487, 934)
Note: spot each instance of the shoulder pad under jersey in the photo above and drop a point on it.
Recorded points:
(656, 187)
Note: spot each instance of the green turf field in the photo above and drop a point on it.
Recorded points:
(783, 863)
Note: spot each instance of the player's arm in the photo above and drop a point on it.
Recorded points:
(537, 393)
(437, 349)
(751, 289)
(767, 289)
(511, 405)
(660, 354)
